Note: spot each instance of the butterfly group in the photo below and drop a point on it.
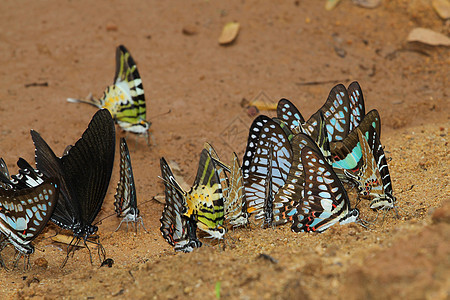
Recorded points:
(293, 171)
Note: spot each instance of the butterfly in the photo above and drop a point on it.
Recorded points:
(176, 228)
(265, 167)
(125, 198)
(205, 201)
(342, 112)
(360, 158)
(124, 99)
(4, 175)
(235, 205)
(289, 195)
(84, 174)
(25, 212)
(324, 200)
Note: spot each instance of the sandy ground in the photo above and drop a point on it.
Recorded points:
(70, 45)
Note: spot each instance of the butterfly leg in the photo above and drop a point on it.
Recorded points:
(70, 249)
(141, 223)
(120, 224)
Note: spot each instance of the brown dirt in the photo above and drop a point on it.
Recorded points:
(71, 46)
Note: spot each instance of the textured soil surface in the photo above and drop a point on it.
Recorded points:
(283, 45)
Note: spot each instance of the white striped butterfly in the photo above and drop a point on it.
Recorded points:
(125, 201)
(24, 213)
(176, 228)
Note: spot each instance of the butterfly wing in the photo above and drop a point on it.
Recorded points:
(177, 229)
(125, 197)
(347, 154)
(89, 164)
(357, 108)
(84, 173)
(205, 199)
(131, 113)
(274, 143)
(290, 115)
(325, 201)
(5, 180)
(25, 212)
(336, 115)
(220, 168)
(290, 194)
(235, 203)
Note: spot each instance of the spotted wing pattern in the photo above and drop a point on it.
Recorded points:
(325, 201)
(290, 115)
(5, 181)
(357, 107)
(290, 194)
(25, 212)
(177, 229)
(205, 199)
(336, 115)
(270, 153)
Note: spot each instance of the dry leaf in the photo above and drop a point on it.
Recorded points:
(65, 239)
(442, 7)
(229, 33)
(367, 3)
(263, 105)
(330, 4)
(428, 36)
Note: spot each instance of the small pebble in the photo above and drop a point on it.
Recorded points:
(41, 263)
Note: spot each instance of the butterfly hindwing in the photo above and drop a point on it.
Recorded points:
(357, 107)
(25, 212)
(325, 201)
(125, 197)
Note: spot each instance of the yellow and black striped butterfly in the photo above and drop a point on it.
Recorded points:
(125, 98)
(205, 201)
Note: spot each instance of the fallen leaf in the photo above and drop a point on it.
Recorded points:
(367, 3)
(330, 4)
(428, 36)
(65, 239)
(263, 105)
(442, 7)
(229, 33)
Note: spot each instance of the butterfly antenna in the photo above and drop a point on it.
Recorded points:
(108, 216)
(161, 114)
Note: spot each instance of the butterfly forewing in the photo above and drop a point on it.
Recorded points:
(336, 115)
(289, 114)
(357, 107)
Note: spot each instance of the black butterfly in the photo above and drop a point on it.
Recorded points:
(176, 228)
(84, 174)
(24, 213)
(125, 198)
